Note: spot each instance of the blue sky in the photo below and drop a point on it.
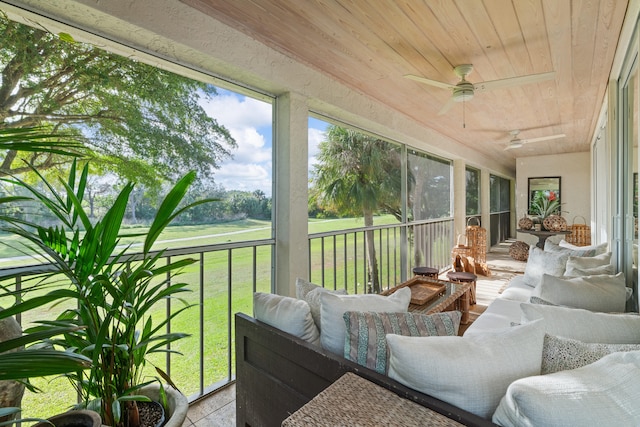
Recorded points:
(250, 123)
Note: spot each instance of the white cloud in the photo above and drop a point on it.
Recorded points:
(315, 137)
(245, 118)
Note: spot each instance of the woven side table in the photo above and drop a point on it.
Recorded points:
(354, 401)
(464, 277)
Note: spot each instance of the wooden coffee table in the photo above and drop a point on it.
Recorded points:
(449, 296)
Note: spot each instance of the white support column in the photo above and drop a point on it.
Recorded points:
(459, 196)
(291, 192)
(485, 203)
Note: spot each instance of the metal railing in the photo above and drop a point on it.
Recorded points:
(222, 282)
(338, 259)
(226, 276)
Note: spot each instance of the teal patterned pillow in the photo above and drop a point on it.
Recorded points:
(365, 340)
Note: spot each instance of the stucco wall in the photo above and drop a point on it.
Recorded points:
(575, 191)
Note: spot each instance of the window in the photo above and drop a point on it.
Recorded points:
(429, 186)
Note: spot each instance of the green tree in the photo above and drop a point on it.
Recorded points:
(141, 122)
(358, 175)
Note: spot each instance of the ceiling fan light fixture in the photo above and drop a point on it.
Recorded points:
(516, 143)
(463, 91)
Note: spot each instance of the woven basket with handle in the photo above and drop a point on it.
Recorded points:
(580, 233)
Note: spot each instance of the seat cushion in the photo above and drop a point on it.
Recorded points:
(517, 290)
(500, 314)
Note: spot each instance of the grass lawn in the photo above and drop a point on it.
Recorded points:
(215, 302)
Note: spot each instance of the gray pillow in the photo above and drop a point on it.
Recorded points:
(561, 354)
(541, 262)
(552, 247)
(366, 343)
(310, 292)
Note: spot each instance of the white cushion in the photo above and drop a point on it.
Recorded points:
(310, 292)
(500, 314)
(540, 262)
(594, 271)
(584, 262)
(518, 290)
(585, 325)
(333, 330)
(472, 373)
(287, 314)
(552, 247)
(599, 249)
(606, 293)
(604, 393)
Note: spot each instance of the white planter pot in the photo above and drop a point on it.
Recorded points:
(177, 403)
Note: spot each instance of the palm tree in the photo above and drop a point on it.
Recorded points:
(357, 175)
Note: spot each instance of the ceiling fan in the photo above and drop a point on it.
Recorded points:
(465, 90)
(518, 143)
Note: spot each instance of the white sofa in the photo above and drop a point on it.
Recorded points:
(505, 310)
(518, 359)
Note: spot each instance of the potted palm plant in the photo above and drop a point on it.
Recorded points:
(115, 294)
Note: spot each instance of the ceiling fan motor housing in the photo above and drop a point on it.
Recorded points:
(463, 91)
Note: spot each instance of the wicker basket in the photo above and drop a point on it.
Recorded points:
(580, 233)
(519, 251)
(525, 223)
(555, 223)
(477, 240)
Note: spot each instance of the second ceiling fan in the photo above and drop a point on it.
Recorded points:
(516, 142)
(465, 90)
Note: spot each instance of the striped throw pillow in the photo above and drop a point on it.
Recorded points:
(365, 340)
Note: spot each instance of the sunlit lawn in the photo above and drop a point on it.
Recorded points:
(217, 302)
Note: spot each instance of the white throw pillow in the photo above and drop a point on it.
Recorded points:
(607, 293)
(595, 271)
(604, 393)
(552, 247)
(585, 325)
(473, 372)
(584, 262)
(310, 292)
(287, 314)
(599, 249)
(333, 331)
(541, 262)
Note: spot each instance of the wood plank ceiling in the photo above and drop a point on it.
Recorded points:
(370, 45)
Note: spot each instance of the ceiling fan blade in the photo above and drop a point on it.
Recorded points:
(446, 107)
(430, 82)
(514, 81)
(543, 138)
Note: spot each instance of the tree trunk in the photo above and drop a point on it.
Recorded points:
(372, 261)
